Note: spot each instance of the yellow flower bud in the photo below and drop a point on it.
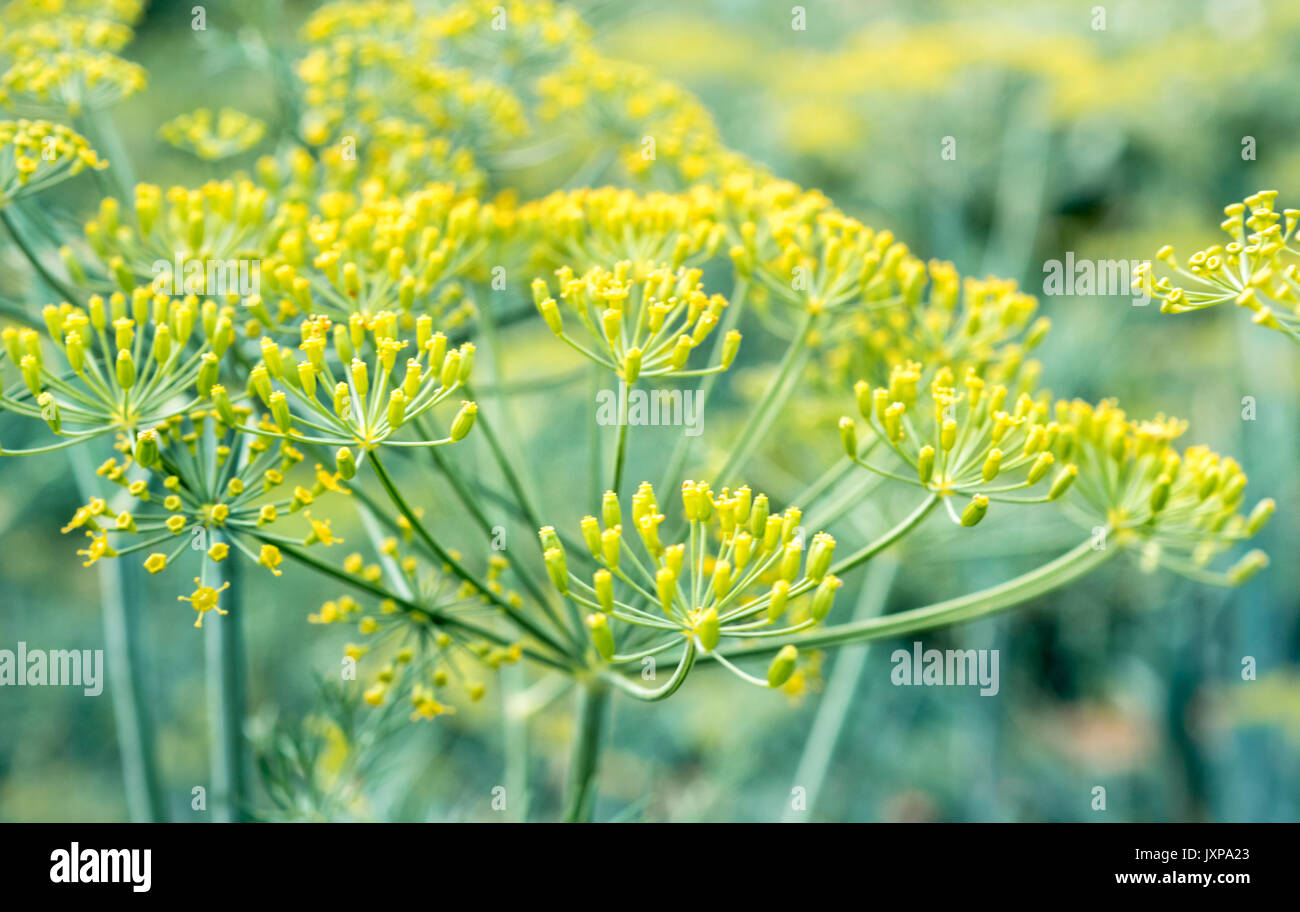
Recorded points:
(782, 666)
(601, 636)
(557, 569)
(709, 629)
(849, 437)
(603, 583)
(824, 597)
(975, 510)
(345, 464)
(1062, 482)
(464, 420)
(610, 545)
(666, 585)
(1039, 469)
(396, 409)
(925, 464)
(1251, 563)
(591, 534)
(125, 369)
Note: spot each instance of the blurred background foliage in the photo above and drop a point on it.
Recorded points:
(1105, 142)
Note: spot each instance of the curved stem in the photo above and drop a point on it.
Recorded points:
(913, 519)
(669, 687)
(1069, 566)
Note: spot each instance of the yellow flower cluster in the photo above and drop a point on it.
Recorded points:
(1179, 509)
(656, 126)
(213, 137)
(427, 643)
(740, 572)
(70, 81)
(1257, 269)
(353, 80)
(960, 322)
(349, 401)
(969, 438)
(36, 154)
(365, 254)
(221, 222)
(121, 363)
(204, 489)
(595, 227)
(642, 325)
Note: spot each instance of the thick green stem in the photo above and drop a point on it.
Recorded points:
(1049, 576)
(223, 648)
(764, 414)
(593, 706)
(119, 604)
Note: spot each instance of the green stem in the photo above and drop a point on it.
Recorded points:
(910, 522)
(764, 414)
(593, 703)
(46, 276)
(224, 654)
(515, 723)
(520, 619)
(620, 455)
(100, 126)
(834, 706)
(131, 715)
(1052, 575)
(682, 449)
(593, 441)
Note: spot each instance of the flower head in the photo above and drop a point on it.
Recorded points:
(36, 154)
(742, 572)
(1256, 269)
(1177, 510)
(640, 325)
(428, 645)
(333, 395)
(116, 365)
(213, 137)
(970, 439)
